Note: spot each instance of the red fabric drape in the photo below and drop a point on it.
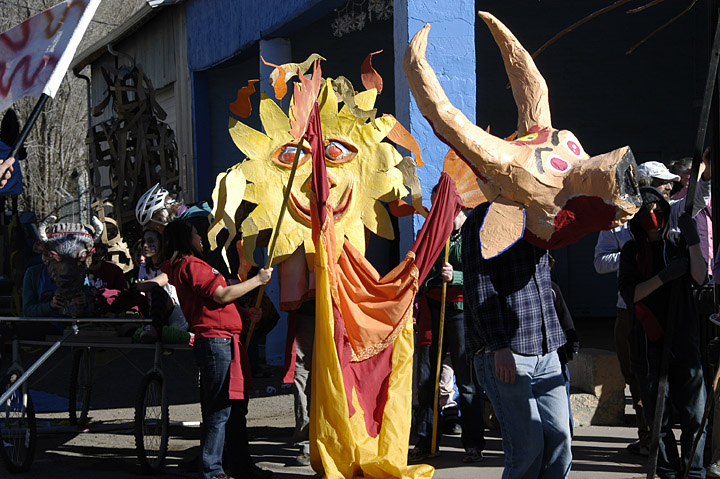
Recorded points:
(438, 226)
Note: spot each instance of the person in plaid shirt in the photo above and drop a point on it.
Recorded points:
(512, 329)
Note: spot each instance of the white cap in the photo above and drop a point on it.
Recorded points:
(655, 169)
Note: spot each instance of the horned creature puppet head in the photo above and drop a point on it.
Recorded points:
(67, 252)
(542, 185)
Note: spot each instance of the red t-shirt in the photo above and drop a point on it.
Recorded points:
(196, 282)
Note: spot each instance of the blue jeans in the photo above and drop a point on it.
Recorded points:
(177, 319)
(686, 391)
(471, 396)
(533, 415)
(213, 356)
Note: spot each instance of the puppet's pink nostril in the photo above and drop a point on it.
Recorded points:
(558, 164)
(572, 146)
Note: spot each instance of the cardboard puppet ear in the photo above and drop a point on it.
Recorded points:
(502, 227)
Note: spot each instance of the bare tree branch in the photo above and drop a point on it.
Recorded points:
(572, 27)
(644, 7)
(668, 23)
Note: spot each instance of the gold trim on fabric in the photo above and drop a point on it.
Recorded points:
(382, 345)
(367, 353)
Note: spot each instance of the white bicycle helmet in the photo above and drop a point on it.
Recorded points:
(151, 202)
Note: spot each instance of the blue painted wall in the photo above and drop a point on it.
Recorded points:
(220, 29)
(223, 55)
(451, 52)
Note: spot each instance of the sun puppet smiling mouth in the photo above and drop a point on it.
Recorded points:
(339, 210)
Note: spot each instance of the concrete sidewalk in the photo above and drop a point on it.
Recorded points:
(598, 452)
(106, 448)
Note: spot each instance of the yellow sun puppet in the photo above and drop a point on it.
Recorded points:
(364, 171)
(361, 170)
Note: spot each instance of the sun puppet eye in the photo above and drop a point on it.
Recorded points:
(285, 155)
(338, 152)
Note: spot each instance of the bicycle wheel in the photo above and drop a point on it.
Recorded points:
(151, 424)
(80, 386)
(17, 427)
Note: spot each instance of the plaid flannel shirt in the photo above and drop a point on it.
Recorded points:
(508, 299)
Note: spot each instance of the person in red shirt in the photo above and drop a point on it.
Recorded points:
(102, 274)
(208, 304)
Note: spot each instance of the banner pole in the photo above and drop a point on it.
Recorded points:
(29, 124)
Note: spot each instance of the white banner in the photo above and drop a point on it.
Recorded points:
(35, 55)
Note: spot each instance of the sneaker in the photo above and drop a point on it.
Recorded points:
(638, 448)
(453, 429)
(302, 459)
(222, 475)
(417, 454)
(713, 470)
(473, 454)
(149, 335)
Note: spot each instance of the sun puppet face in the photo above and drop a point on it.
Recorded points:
(361, 172)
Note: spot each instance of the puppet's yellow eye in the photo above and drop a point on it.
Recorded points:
(338, 151)
(285, 155)
(528, 137)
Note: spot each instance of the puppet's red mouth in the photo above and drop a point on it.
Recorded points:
(579, 216)
(303, 212)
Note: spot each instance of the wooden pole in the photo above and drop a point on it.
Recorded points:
(433, 444)
(276, 232)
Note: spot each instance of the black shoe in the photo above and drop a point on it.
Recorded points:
(638, 448)
(418, 454)
(473, 455)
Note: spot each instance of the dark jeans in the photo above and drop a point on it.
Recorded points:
(213, 356)
(304, 340)
(686, 391)
(471, 396)
(623, 326)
